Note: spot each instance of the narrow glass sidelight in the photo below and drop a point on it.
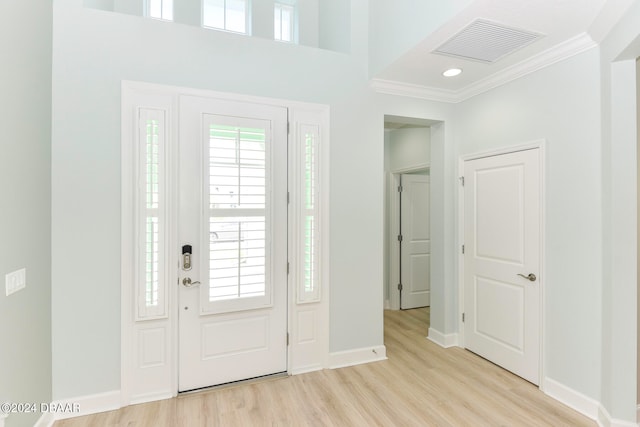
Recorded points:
(152, 190)
(308, 145)
(151, 301)
(238, 199)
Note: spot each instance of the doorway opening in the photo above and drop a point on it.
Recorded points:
(407, 258)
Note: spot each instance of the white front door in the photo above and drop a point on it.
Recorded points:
(502, 260)
(233, 219)
(415, 247)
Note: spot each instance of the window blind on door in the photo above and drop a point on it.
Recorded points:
(151, 301)
(308, 143)
(238, 201)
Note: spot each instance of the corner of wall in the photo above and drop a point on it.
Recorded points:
(443, 340)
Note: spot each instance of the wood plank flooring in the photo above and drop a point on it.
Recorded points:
(421, 384)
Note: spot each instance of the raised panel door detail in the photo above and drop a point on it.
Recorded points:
(499, 214)
(420, 268)
(306, 326)
(234, 336)
(499, 311)
(152, 347)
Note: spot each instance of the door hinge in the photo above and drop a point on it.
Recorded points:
(288, 197)
(287, 267)
(461, 180)
(462, 317)
(399, 188)
(463, 249)
(287, 338)
(288, 128)
(400, 286)
(399, 237)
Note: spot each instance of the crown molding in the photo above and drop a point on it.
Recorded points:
(564, 50)
(391, 87)
(559, 52)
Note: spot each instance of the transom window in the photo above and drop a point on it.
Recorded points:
(160, 9)
(229, 15)
(284, 22)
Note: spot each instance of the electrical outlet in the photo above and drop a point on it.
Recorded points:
(15, 281)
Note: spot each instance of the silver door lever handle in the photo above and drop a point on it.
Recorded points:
(188, 283)
(530, 276)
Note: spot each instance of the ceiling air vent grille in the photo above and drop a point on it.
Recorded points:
(486, 41)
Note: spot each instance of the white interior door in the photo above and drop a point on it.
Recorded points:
(502, 260)
(233, 214)
(415, 247)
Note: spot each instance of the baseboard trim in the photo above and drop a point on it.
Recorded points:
(342, 359)
(443, 340)
(150, 397)
(46, 420)
(79, 406)
(605, 420)
(571, 398)
(585, 405)
(306, 369)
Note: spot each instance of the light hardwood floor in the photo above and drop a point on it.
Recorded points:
(421, 384)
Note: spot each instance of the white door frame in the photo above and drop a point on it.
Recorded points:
(537, 144)
(156, 377)
(394, 230)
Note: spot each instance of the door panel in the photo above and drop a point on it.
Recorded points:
(502, 241)
(415, 261)
(233, 212)
(499, 232)
(500, 322)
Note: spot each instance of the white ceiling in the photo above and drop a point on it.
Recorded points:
(567, 27)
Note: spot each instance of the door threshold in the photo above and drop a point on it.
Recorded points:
(263, 378)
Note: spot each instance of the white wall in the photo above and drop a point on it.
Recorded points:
(408, 148)
(619, 51)
(561, 105)
(90, 60)
(334, 22)
(25, 206)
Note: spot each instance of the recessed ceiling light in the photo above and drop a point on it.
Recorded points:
(452, 72)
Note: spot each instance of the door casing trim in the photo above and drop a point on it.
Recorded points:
(300, 357)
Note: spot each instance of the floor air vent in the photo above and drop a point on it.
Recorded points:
(486, 41)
